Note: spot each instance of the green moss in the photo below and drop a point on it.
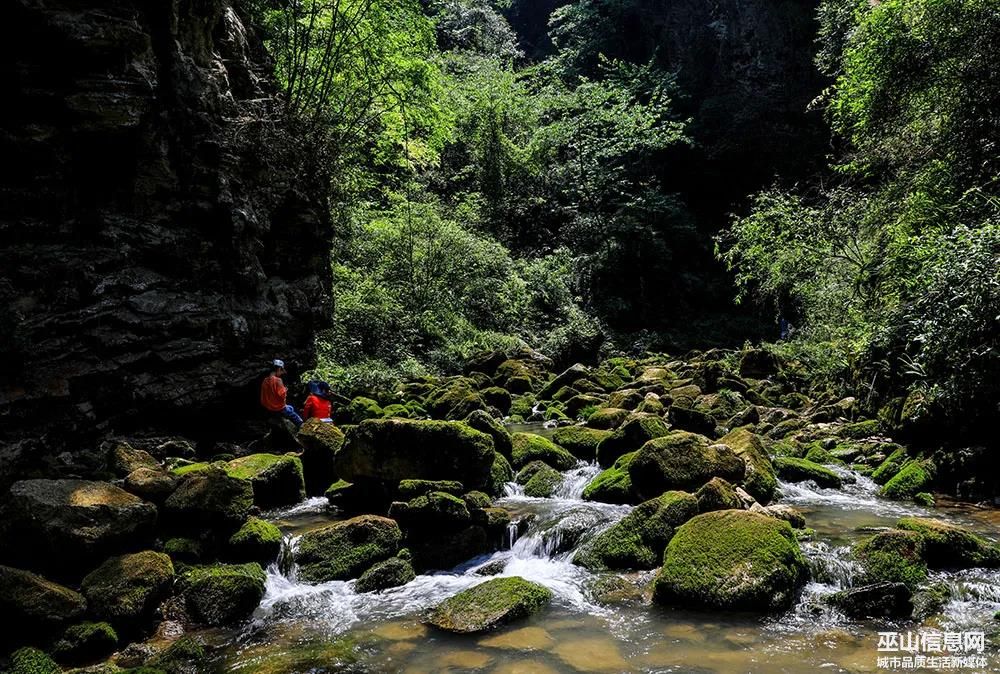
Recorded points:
(528, 447)
(409, 489)
(913, 478)
(521, 406)
(32, 661)
(638, 539)
(222, 593)
(500, 474)
(732, 559)
(612, 485)
(816, 454)
(528, 471)
(396, 410)
(362, 408)
(344, 550)
(580, 441)
(86, 641)
(277, 480)
(181, 657)
(759, 481)
(893, 556)
(185, 550)
(630, 436)
(126, 590)
(497, 397)
(860, 429)
(484, 423)
(455, 401)
(717, 494)
(543, 482)
(952, 546)
(801, 470)
(888, 468)
(608, 418)
(436, 509)
(682, 460)
(210, 498)
(256, 541)
(924, 498)
(191, 467)
(34, 606)
(489, 605)
(477, 500)
(392, 572)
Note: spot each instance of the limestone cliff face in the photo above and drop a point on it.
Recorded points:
(160, 238)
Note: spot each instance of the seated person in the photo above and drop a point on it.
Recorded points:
(273, 393)
(318, 405)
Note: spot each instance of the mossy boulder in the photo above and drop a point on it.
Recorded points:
(184, 656)
(543, 483)
(222, 594)
(717, 494)
(760, 480)
(392, 572)
(612, 485)
(580, 441)
(32, 661)
(344, 550)
(34, 606)
(894, 556)
(637, 541)
(608, 418)
(358, 410)
(497, 397)
(914, 477)
(277, 480)
(682, 460)
(433, 510)
(477, 500)
(528, 447)
(123, 459)
(803, 470)
(528, 471)
(581, 406)
(566, 378)
(182, 550)
(153, 485)
(690, 419)
(860, 429)
(210, 498)
(126, 590)
(256, 541)
(732, 560)
(950, 546)
(410, 489)
(489, 605)
(85, 642)
(630, 436)
(484, 423)
(390, 450)
(890, 466)
(320, 443)
(67, 526)
(500, 474)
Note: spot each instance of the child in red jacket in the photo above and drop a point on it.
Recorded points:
(318, 404)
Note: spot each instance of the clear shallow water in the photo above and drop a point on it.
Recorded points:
(597, 622)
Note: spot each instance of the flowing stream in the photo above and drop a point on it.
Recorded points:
(597, 622)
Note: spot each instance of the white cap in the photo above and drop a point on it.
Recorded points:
(278, 363)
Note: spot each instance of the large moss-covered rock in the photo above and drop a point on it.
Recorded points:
(949, 546)
(489, 605)
(67, 526)
(637, 541)
(390, 450)
(566, 378)
(682, 460)
(528, 447)
(890, 466)
(484, 423)
(732, 559)
(802, 470)
(256, 541)
(85, 642)
(543, 482)
(33, 606)
(392, 572)
(760, 481)
(410, 489)
(222, 593)
(431, 511)
(894, 556)
(690, 419)
(612, 485)
(717, 494)
(498, 397)
(344, 550)
(210, 498)
(913, 478)
(500, 474)
(608, 418)
(580, 441)
(320, 443)
(32, 661)
(126, 590)
(630, 436)
(277, 480)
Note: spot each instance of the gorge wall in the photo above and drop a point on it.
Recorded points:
(160, 238)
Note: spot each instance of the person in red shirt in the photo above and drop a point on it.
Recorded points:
(318, 403)
(273, 394)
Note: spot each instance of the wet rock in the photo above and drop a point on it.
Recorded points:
(802, 470)
(434, 510)
(256, 541)
(476, 500)
(732, 559)
(35, 607)
(930, 601)
(690, 419)
(528, 447)
(123, 459)
(577, 404)
(446, 549)
(580, 441)
(489, 605)
(608, 418)
(760, 480)
(86, 642)
(276, 480)
(788, 513)
(392, 572)
(66, 526)
(500, 474)
(210, 498)
(890, 466)
(614, 484)
(637, 541)
(893, 556)
(543, 483)
(222, 594)
(484, 423)
(914, 477)
(951, 546)
(497, 397)
(344, 550)
(682, 460)
(879, 600)
(320, 442)
(126, 590)
(390, 450)
(717, 494)
(630, 436)
(153, 485)
(494, 568)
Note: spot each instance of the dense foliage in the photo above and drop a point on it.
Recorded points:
(891, 266)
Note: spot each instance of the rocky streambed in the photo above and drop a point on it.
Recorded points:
(661, 515)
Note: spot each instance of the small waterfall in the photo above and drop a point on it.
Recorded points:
(575, 479)
(831, 566)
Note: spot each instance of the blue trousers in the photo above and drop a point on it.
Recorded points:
(290, 414)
